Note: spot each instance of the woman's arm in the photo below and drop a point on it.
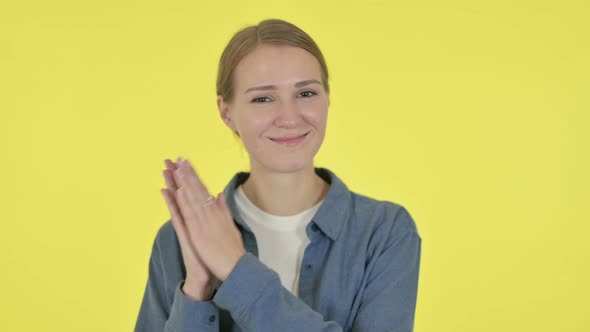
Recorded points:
(157, 315)
(389, 299)
(257, 301)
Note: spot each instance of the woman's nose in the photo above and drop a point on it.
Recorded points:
(288, 113)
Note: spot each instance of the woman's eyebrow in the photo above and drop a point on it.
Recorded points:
(274, 87)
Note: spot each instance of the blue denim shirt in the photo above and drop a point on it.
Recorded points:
(359, 273)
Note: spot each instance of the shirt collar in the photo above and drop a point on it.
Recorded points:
(329, 217)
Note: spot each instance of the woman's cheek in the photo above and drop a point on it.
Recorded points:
(261, 121)
(316, 115)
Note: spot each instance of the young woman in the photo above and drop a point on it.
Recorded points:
(286, 246)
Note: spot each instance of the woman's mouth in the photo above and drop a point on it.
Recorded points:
(290, 141)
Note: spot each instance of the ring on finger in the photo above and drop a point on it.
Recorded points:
(209, 201)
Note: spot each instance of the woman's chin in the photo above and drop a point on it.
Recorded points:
(288, 165)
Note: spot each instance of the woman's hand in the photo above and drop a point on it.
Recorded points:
(199, 282)
(210, 230)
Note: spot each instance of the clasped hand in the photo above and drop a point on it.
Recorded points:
(210, 242)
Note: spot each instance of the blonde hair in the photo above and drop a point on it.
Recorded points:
(271, 32)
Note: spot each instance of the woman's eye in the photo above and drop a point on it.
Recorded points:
(312, 93)
(261, 100)
(256, 100)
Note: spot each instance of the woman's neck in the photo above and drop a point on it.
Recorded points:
(285, 194)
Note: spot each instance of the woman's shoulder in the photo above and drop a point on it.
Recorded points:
(166, 242)
(382, 214)
(363, 212)
(166, 232)
(373, 225)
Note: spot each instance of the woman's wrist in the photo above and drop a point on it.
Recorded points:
(197, 291)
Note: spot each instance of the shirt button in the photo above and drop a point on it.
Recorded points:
(314, 227)
(212, 318)
(308, 266)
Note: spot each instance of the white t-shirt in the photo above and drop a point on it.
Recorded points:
(281, 240)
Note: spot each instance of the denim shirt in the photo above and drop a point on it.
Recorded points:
(359, 273)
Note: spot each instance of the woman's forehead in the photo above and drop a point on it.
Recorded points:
(276, 65)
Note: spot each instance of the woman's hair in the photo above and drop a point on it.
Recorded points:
(270, 32)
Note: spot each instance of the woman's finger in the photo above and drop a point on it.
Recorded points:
(187, 209)
(190, 203)
(178, 223)
(178, 219)
(224, 207)
(173, 187)
(168, 176)
(186, 176)
(170, 183)
(170, 164)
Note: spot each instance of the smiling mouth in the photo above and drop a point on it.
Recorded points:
(290, 139)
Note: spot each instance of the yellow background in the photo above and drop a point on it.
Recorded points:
(473, 115)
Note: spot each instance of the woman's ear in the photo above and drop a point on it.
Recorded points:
(224, 112)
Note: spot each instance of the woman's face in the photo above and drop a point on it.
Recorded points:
(278, 93)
